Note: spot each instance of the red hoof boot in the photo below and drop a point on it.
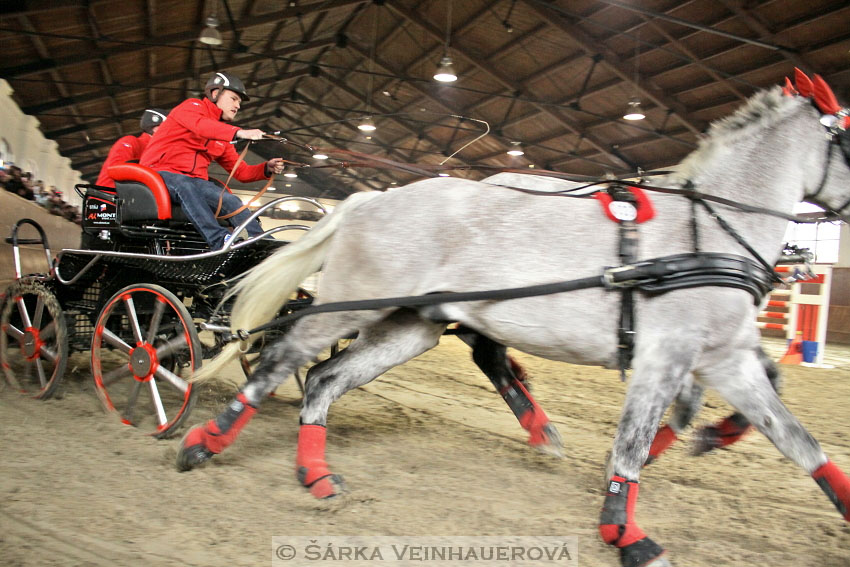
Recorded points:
(664, 438)
(618, 528)
(327, 487)
(310, 466)
(202, 442)
(835, 485)
(193, 450)
(726, 432)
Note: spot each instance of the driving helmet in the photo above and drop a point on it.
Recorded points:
(222, 80)
(151, 118)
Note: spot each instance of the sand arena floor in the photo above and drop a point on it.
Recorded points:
(428, 449)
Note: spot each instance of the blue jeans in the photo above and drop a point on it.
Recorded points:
(199, 199)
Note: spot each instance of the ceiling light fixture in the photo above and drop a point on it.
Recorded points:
(289, 172)
(516, 149)
(319, 155)
(445, 70)
(367, 125)
(210, 34)
(634, 110)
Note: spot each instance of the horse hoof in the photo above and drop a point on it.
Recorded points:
(328, 487)
(643, 553)
(548, 441)
(192, 452)
(705, 441)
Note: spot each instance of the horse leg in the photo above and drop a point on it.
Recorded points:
(491, 357)
(685, 407)
(732, 428)
(722, 434)
(297, 347)
(393, 341)
(659, 373)
(752, 395)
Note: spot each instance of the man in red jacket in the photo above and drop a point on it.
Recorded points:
(129, 148)
(198, 132)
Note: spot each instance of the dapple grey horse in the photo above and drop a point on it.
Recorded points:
(454, 235)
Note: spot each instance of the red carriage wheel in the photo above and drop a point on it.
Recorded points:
(33, 339)
(144, 350)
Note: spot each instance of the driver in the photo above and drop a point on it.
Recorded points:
(196, 133)
(129, 148)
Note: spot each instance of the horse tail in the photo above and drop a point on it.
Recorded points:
(265, 288)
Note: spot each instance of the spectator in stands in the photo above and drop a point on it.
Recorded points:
(15, 182)
(196, 133)
(130, 148)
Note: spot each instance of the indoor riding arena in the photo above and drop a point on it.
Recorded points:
(442, 282)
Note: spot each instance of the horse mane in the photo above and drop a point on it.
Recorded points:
(762, 110)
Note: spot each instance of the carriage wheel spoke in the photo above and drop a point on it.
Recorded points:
(39, 312)
(131, 401)
(133, 319)
(14, 332)
(172, 379)
(157, 402)
(42, 376)
(153, 328)
(49, 331)
(22, 311)
(48, 353)
(116, 341)
(171, 348)
(116, 374)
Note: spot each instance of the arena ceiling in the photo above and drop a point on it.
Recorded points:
(555, 76)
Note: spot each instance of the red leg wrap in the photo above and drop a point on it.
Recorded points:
(310, 465)
(221, 432)
(531, 416)
(728, 432)
(836, 485)
(616, 524)
(664, 438)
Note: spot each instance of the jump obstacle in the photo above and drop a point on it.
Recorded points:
(801, 312)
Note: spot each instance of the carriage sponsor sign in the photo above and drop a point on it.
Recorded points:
(424, 550)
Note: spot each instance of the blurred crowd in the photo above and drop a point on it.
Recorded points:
(19, 182)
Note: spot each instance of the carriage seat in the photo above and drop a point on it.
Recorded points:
(143, 196)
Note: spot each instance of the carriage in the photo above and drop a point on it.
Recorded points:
(143, 295)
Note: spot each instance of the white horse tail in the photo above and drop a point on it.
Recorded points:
(266, 287)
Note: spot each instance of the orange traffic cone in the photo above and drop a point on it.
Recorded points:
(794, 355)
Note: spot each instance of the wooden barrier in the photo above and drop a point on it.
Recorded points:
(804, 308)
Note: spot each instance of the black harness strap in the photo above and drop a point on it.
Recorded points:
(653, 276)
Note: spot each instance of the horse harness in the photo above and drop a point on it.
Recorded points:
(626, 205)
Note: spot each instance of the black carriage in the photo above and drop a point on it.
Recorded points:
(139, 296)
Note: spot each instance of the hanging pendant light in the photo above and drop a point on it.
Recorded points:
(516, 149)
(446, 71)
(367, 125)
(319, 155)
(210, 34)
(634, 110)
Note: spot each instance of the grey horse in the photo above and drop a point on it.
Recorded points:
(455, 235)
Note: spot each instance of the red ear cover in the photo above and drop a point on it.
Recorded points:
(824, 97)
(788, 89)
(803, 82)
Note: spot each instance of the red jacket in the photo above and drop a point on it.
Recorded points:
(125, 149)
(191, 138)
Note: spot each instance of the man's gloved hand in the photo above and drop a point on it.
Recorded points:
(250, 134)
(275, 165)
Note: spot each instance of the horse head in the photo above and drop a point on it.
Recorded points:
(833, 191)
